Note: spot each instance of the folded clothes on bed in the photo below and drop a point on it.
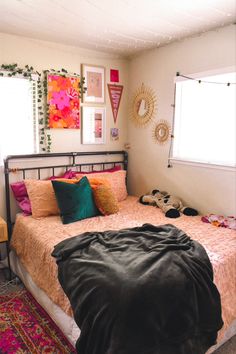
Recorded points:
(220, 220)
(141, 290)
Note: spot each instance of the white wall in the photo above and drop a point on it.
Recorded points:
(208, 190)
(46, 55)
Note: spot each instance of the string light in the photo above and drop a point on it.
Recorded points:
(204, 81)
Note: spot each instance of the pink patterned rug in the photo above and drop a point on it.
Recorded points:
(26, 328)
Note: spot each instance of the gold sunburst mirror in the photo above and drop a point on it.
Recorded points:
(161, 132)
(143, 106)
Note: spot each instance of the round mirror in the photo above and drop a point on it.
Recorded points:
(161, 132)
(143, 106)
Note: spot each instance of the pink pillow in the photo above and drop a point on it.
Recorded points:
(20, 193)
(113, 169)
(68, 175)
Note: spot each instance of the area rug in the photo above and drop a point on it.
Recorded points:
(25, 328)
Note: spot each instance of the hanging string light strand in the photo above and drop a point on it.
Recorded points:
(204, 81)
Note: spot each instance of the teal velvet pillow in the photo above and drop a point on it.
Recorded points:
(75, 201)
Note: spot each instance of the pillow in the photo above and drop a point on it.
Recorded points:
(72, 174)
(116, 180)
(75, 201)
(67, 180)
(20, 193)
(94, 182)
(113, 169)
(68, 174)
(105, 200)
(42, 198)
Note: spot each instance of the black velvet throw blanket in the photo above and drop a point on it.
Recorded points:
(142, 290)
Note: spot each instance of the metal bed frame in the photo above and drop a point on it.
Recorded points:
(73, 161)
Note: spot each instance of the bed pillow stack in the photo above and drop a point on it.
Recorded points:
(76, 199)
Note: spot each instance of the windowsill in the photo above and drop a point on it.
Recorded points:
(202, 164)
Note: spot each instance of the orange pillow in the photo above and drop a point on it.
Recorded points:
(42, 198)
(105, 200)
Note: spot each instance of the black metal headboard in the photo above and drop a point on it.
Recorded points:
(37, 163)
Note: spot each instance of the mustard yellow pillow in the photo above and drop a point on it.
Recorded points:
(105, 200)
(42, 198)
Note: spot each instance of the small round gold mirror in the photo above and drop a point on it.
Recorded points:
(161, 132)
(143, 106)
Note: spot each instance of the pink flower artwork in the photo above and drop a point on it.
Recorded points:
(64, 102)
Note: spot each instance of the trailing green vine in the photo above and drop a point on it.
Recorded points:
(13, 70)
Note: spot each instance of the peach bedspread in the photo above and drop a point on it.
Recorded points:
(34, 240)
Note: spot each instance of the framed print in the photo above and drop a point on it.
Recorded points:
(93, 125)
(95, 83)
(114, 134)
(63, 101)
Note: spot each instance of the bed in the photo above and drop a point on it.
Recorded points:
(32, 240)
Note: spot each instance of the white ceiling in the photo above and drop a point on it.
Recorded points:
(123, 27)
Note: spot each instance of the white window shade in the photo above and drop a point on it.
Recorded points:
(18, 123)
(205, 120)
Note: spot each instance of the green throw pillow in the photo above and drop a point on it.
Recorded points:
(75, 201)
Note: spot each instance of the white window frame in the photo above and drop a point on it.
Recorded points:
(34, 79)
(189, 162)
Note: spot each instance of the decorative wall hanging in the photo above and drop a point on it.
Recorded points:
(93, 125)
(115, 93)
(114, 75)
(95, 82)
(161, 132)
(63, 101)
(143, 106)
(114, 134)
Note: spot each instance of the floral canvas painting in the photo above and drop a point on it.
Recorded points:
(64, 102)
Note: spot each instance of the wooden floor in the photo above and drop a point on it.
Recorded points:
(227, 348)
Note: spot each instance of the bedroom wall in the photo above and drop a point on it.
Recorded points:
(46, 55)
(207, 189)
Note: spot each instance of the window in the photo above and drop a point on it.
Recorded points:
(18, 124)
(205, 120)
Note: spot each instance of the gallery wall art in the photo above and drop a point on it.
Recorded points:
(94, 79)
(115, 93)
(63, 101)
(93, 125)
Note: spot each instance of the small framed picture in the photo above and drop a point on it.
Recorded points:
(93, 125)
(114, 134)
(94, 83)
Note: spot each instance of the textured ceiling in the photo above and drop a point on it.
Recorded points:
(123, 27)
